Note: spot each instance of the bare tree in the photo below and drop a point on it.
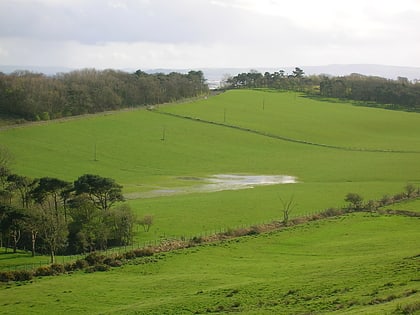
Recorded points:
(288, 207)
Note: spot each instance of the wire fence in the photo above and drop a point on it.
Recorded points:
(153, 242)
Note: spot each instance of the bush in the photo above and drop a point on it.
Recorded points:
(94, 259)
(6, 276)
(99, 267)
(44, 271)
(386, 200)
(332, 212)
(70, 267)
(130, 255)
(143, 252)
(81, 264)
(196, 240)
(23, 275)
(399, 197)
(112, 262)
(57, 268)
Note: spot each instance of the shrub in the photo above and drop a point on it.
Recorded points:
(94, 259)
(112, 262)
(23, 275)
(143, 252)
(57, 268)
(130, 255)
(196, 240)
(6, 276)
(371, 205)
(99, 267)
(386, 200)
(81, 264)
(70, 266)
(399, 197)
(44, 271)
(332, 212)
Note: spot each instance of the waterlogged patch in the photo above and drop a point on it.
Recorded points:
(217, 183)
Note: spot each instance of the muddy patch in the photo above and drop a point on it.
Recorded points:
(216, 183)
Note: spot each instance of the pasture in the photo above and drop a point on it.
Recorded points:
(128, 147)
(358, 263)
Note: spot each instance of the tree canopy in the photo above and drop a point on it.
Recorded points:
(35, 96)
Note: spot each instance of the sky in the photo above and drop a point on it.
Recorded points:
(179, 34)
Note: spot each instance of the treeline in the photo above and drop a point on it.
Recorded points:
(52, 216)
(34, 96)
(401, 92)
(296, 81)
(395, 94)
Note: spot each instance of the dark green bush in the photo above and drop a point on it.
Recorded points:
(44, 271)
(57, 268)
(81, 264)
(143, 252)
(99, 267)
(6, 276)
(23, 275)
(112, 262)
(94, 259)
(70, 266)
(129, 255)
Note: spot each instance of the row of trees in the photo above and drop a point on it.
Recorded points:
(50, 216)
(35, 96)
(400, 93)
(277, 80)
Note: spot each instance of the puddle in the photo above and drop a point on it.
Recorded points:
(217, 183)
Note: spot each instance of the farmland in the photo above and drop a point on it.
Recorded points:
(332, 148)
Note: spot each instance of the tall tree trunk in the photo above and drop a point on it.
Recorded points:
(33, 237)
(52, 256)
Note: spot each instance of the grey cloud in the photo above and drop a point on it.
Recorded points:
(154, 21)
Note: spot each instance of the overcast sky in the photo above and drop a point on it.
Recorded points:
(145, 34)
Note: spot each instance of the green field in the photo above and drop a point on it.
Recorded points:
(337, 265)
(129, 148)
(350, 265)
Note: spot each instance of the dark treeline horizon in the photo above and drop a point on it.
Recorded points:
(401, 94)
(36, 96)
(31, 96)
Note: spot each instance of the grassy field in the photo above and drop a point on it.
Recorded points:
(129, 148)
(356, 264)
(351, 265)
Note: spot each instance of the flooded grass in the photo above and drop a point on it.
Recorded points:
(216, 183)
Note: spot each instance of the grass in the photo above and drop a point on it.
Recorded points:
(129, 149)
(290, 115)
(358, 263)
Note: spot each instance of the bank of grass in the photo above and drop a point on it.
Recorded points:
(359, 263)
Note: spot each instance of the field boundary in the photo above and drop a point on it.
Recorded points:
(278, 137)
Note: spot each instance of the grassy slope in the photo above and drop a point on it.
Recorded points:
(344, 263)
(129, 149)
(349, 264)
(290, 115)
